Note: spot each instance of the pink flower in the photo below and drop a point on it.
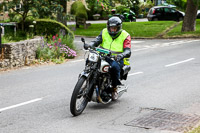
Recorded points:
(102, 5)
(54, 37)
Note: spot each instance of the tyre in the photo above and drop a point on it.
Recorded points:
(79, 100)
(133, 20)
(155, 19)
(180, 19)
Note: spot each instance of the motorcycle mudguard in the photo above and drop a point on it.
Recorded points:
(83, 74)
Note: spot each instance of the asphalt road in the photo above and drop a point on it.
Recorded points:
(165, 76)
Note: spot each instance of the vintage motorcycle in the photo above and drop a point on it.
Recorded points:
(94, 83)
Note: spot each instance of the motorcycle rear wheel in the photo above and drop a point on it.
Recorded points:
(79, 100)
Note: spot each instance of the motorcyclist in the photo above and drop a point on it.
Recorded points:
(118, 41)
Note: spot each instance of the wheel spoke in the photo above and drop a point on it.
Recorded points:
(80, 97)
(79, 100)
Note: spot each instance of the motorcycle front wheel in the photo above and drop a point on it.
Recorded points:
(79, 100)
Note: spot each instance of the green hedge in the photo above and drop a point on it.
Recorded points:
(79, 10)
(51, 27)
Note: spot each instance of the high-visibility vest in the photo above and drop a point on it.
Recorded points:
(114, 45)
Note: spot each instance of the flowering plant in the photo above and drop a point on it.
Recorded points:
(55, 50)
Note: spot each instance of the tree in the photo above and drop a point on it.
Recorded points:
(189, 21)
(180, 4)
(19, 7)
(190, 7)
(97, 6)
(25, 8)
(102, 7)
(47, 8)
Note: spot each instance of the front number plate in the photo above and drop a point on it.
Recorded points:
(93, 57)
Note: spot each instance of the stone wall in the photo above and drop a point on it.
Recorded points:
(19, 53)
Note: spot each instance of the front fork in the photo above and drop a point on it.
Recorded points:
(91, 79)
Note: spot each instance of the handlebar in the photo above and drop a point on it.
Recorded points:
(102, 52)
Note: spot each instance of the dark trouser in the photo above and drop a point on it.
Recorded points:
(115, 71)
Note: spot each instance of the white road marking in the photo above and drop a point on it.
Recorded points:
(78, 60)
(135, 73)
(139, 49)
(178, 42)
(165, 44)
(21, 104)
(179, 62)
(136, 41)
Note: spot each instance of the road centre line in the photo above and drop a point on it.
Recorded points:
(21, 104)
(176, 63)
(131, 74)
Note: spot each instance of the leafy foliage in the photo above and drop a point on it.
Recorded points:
(25, 8)
(181, 4)
(121, 9)
(50, 27)
(22, 11)
(134, 5)
(10, 36)
(144, 7)
(55, 50)
(104, 7)
(46, 8)
(79, 10)
(98, 7)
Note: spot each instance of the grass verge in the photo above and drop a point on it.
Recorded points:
(196, 130)
(141, 29)
(176, 32)
(150, 29)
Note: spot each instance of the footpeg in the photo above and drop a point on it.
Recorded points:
(121, 89)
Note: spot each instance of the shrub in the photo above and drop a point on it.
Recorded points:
(105, 15)
(51, 27)
(55, 50)
(121, 9)
(144, 7)
(16, 37)
(14, 17)
(79, 10)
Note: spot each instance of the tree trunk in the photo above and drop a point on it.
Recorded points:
(189, 22)
(23, 25)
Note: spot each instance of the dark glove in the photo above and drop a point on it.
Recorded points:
(86, 46)
(119, 57)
